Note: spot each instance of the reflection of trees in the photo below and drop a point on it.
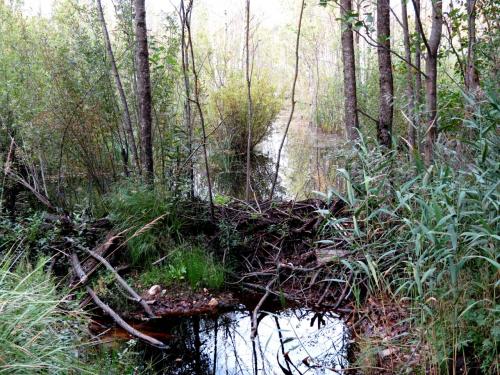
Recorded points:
(311, 163)
(229, 175)
(185, 355)
(223, 345)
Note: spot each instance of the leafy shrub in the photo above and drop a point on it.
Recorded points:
(229, 104)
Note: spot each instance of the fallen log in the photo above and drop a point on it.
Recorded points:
(108, 310)
(122, 323)
(123, 283)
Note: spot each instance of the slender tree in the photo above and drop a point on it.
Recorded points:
(250, 103)
(348, 59)
(185, 15)
(384, 126)
(294, 84)
(144, 90)
(114, 70)
(471, 76)
(432, 47)
(418, 78)
(410, 88)
(200, 111)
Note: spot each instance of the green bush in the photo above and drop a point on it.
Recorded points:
(229, 104)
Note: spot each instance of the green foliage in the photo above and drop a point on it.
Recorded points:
(430, 235)
(193, 265)
(329, 113)
(36, 333)
(26, 234)
(229, 104)
(43, 332)
(150, 216)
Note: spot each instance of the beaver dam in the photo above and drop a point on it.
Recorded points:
(281, 309)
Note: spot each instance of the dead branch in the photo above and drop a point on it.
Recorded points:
(123, 283)
(108, 310)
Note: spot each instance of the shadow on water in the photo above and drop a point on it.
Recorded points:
(292, 341)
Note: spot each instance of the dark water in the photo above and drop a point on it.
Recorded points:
(292, 341)
(308, 163)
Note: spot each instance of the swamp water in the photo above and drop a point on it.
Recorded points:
(293, 341)
(308, 163)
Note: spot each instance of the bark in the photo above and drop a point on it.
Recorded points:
(250, 104)
(83, 277)
(471, 76)
(410, 90)
(386, 109)
(348, 59)
(114, 70)
(431, 80)
(418, 77)
(185, 15)
(297, 44)
(200, 112)
(136, 297)
(144, 91)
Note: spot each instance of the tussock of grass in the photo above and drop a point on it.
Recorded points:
(429, 235)
(134, 207)
(192, 265)
(36, 334)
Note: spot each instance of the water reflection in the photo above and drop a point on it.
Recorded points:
(308, 159)
(291, 342)
(308, 163)
(230, 177)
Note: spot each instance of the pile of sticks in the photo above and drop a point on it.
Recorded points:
(282, 253)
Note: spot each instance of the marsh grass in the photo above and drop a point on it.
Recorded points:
(151, 217)
(429, 236)
(186, 264)
(39, 332)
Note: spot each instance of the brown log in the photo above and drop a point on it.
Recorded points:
(123, 283)
(108, 310)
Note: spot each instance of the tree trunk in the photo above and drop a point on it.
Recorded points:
(385, 70)
(144, 90)
(292, 98)
(350, 98)
(185, 18)
(410, 92)
(200, 112)
(431, 80)
(471, 76)
(250, 104)
(114, 69)
(418, 78)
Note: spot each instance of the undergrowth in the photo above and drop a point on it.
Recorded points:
(150, 217)
(184, 264)
(42, 332)
(429, 237)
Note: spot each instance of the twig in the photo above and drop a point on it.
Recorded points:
(297, 43)
(257, 308)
